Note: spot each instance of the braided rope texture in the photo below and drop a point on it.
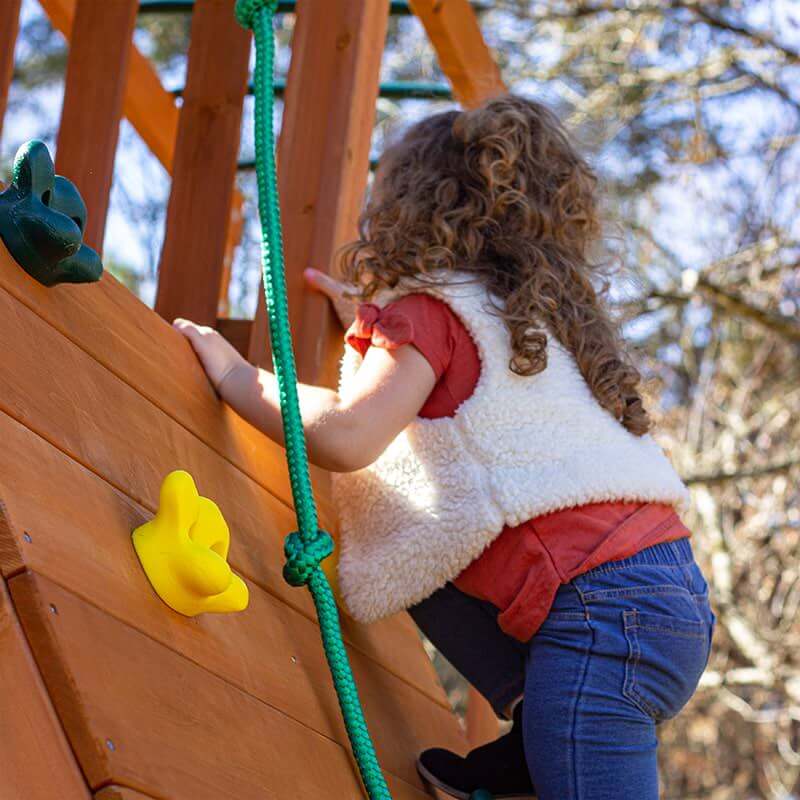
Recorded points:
(306, 548)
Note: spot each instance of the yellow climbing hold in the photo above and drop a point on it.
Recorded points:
(184, 551)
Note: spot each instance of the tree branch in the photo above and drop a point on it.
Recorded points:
(735, 304)
(700, 9)
(755, 472)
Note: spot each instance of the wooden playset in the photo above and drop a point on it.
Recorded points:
(105, 691)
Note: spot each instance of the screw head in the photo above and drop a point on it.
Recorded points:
(53, 608)
(27, 537)
(110, 745)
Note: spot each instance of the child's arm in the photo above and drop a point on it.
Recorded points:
(343, 433)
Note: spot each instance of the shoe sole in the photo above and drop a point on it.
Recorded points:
(430, 778)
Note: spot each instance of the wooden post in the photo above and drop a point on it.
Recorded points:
(463, 55)
(9, 27)
(323, 161)
(35, 757)
(205, 165)
(481, 720)
(235, 228)
(149, 107)
(152, 110)
(97, 71)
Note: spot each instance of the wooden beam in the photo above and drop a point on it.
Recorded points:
(35, 759)
(235, 229)
(481, 721)
(463, 54)
(150, 108)
(9, 27)
(237, 332)
(323, 162)
(97, 68)
(191, 266)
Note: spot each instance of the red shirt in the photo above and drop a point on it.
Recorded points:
(520, 572)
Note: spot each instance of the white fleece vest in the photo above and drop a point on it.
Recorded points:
(518, 447)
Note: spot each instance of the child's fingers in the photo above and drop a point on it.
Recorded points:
(341, 294)
(324, 283)
(216, 354)
(191, 329)
(184, 325)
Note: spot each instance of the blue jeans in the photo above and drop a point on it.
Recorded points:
(622, 650)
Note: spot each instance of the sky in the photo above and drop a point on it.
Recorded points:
(676, 208)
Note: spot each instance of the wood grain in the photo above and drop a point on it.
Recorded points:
(323, 163)
(9, 27)
(139, 715)
(149, 107)
(192, 259)
(94, 90)
(117, 330)
(36, 762)
(454, 32)
(481, 721)
(116, 434)
(237, 332)
(73, 529)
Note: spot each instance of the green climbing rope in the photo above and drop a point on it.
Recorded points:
(306, 548)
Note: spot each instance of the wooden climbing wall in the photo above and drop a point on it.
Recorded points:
(99, 399)
(105, 692)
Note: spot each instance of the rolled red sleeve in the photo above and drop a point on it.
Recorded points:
(384, 328)
(416, 319)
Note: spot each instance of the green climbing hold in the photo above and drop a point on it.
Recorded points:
(481, 794)
(42, 219)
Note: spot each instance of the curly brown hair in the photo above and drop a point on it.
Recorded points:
(501, 193)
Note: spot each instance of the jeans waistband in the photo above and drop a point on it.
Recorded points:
(677, 553)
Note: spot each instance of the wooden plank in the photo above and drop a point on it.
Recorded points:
(97, 67)
(237, 332)
(139, 715)
(70, 527)
(191, 268)
(149, 107)
(106, 321)
(126, 440)
(463, 55)
(323, 162)
(235, 230)
(9, 27)
(31, 736)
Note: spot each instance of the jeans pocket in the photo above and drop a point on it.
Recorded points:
(666, 657)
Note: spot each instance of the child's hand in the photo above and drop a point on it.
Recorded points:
(218, 357)
(341, 294)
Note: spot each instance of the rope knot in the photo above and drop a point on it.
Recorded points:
(303, 556)
(246, 10)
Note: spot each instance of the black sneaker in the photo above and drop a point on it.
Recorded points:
(497, 769)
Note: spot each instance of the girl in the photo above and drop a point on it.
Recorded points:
(495, 472)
